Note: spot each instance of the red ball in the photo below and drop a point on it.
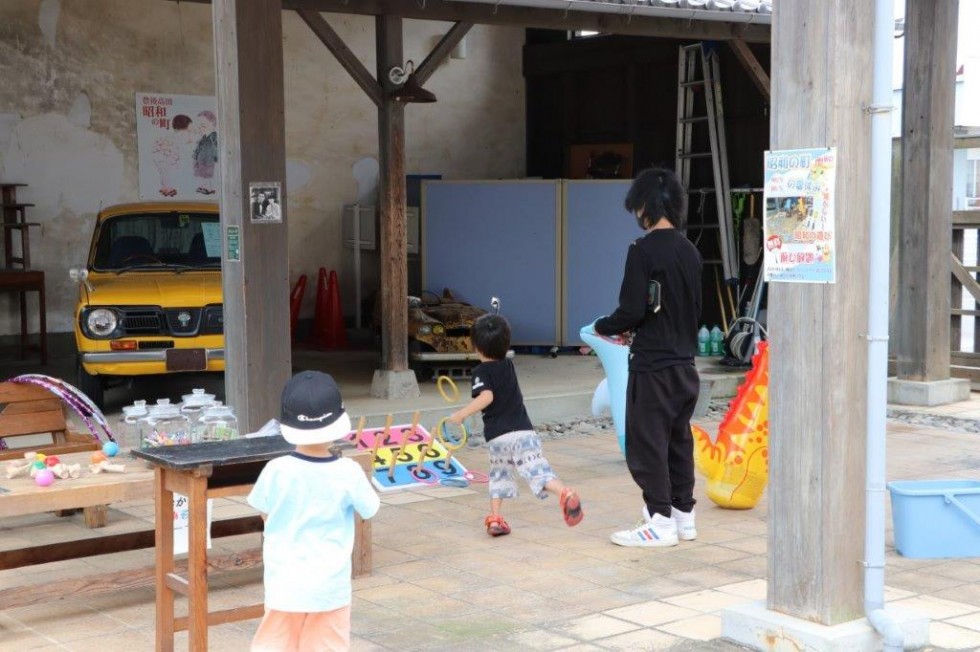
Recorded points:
(51, 460)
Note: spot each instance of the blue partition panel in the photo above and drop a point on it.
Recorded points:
(597, 232)
(496, 238)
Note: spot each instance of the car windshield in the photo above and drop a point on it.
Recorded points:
(175, 240)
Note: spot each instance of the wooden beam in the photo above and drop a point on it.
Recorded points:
(969, 219)
(391, 197)
(73, 589)
(343, 54)
(751, 64)
(964, 277)
(817, 461)
(558, 19)
(966, 142)
(441, 51)
(79, 548)
(925, 227)
(251, 115)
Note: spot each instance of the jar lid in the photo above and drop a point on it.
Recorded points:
(138, 408)
(164, 408)
(197, 398)
(218, 410)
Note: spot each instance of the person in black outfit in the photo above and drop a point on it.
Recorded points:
(660, 300)
(514, 446)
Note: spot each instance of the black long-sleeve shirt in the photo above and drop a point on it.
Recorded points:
(669, 336)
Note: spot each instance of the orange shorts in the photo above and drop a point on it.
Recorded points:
(283, 631)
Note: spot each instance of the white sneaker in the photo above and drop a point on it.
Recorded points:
(685, 524)
(659, 531)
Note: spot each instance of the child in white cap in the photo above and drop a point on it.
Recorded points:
(308, 499)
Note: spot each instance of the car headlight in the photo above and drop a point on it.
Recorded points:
(438, 329)
(425, 329)
(101, 322)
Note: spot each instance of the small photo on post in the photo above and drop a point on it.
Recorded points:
(265, 201)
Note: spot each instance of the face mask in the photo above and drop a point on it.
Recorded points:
(640, 221)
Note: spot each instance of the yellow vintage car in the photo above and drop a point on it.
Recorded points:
(149, 297)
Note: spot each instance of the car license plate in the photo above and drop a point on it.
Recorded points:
(187, 360)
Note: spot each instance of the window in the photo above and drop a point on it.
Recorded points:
(973, 178)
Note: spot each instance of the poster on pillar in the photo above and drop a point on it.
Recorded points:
(177, 146)
(798, 229)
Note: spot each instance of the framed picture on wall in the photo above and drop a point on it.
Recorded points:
(265, 202)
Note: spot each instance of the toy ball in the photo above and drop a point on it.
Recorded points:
(44, 478)
(39, 457)
(98, 456)
(110, 448)
(39, 464)
(51, 460)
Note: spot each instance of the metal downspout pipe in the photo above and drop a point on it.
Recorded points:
(878, 291)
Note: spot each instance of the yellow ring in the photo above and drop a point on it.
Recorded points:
(442, 440)
(452, 384)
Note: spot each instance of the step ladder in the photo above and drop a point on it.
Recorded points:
(699, 76)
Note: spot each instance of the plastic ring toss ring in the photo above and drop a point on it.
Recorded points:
(476, 476)
(452, 386)
(452, 444)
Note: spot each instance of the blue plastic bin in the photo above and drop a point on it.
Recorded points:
(936, 518)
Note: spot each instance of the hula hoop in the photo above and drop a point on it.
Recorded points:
(452, 385)
(477, 476)
(74, 398)
(440, 433)
(59, 387)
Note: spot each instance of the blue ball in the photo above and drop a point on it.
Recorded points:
(110, 448)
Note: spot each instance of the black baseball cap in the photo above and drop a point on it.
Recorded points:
(312, 410)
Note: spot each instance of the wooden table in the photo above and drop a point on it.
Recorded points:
(202, 471)
(21, 496)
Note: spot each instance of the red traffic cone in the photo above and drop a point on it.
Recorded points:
(295, 301)
(336, 335)
(318, 336)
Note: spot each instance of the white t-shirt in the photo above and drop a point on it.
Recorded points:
(309, 531)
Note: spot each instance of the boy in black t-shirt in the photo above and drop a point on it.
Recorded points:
(514, 446)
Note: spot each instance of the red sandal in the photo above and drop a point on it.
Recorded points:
(571, 507)
(496, 525)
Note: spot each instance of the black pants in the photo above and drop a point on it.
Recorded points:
(659, 445)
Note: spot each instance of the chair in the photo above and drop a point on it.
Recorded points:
(129, 246)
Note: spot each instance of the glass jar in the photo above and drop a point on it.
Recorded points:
(164, 425)
(130, 428)
(217, 423)
(194, 402)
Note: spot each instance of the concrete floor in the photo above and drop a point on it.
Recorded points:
(440, 583)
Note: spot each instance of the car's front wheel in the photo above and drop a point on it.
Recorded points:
(92, 386)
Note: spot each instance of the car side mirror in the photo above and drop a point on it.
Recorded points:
(80, 275)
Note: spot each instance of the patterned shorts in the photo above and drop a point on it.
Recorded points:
(520, 452)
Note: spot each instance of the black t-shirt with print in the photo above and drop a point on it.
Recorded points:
(507, 412)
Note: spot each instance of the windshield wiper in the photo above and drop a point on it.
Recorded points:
(176, 266)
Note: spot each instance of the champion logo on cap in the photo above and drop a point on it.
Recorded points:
(322, 417)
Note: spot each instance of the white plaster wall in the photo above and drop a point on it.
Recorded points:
(70, 69)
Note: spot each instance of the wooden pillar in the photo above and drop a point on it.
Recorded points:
(925, 229)
(255, 276)
(391, 198)
(818, 369)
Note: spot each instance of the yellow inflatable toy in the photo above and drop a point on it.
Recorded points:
(736, 463)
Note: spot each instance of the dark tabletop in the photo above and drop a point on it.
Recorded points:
(216, 453)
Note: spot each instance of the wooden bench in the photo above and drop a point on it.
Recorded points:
(28, 410)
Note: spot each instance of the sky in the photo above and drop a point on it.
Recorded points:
(967, 56)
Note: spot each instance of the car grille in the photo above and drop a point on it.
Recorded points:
(159, 344)
(142, 322)
(157, 321)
